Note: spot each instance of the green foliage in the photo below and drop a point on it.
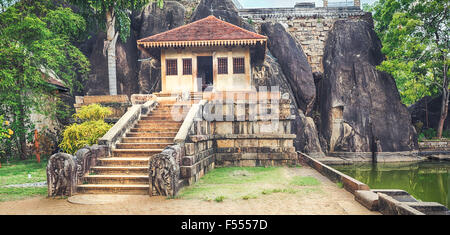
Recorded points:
(429, 133)
(16, 172)
(93, 112)
(5, 132)
(66, 24)
(77, 136)
(219, 199)
(34, 45)
(305, 181)
(415, 38)
(99, 9)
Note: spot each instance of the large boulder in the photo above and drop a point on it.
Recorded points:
(294, 64)
(428, 112)
(148, 22)
(222, 9)
(360, 106)
(134, 75)
(268, 74)
(126, 54)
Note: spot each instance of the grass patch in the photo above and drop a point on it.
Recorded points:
(16, 172)
(245, 183)
(11, 194)
(233, 183)
(247, 197)
(241, 175)
(305, 181)
(277, 190)
(219, 199)
(340, 185)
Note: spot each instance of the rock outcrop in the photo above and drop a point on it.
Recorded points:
(360, 106)
(222, 9)
(294, 64)
(136, 73)
(150, 21)
(268, 74)
(428, 111)
(126, 53)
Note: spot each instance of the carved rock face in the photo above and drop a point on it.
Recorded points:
(360, 106)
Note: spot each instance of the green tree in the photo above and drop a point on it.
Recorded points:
(30, 47)
(415, 37)
(113, 16)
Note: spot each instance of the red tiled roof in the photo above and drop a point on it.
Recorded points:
(207, 29)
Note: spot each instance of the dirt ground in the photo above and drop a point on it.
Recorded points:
(329, 200)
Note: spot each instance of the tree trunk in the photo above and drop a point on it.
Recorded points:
(22, 140)
(110, 46)
(444, 106)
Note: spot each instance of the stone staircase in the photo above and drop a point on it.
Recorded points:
(126, 171)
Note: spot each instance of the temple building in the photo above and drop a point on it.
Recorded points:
(208, 54)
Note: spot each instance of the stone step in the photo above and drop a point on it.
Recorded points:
(142, 145)
(141, 189)
(155, 129)
(158, 125)
(163, 118)
(117, 179)
(158, 122)
(147, 140)
(122, 153)
(167, 116)
(124, 162)
(120, 170)
(150, 134)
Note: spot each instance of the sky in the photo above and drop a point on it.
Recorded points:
(286, 3)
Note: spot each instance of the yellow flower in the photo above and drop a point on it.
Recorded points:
(10, 131)
(7, 123)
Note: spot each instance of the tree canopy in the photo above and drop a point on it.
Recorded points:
(36, 40)
(415, 37)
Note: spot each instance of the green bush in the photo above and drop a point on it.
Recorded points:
(93, 112)
(446, 134)
(429, 133)
(76, 136)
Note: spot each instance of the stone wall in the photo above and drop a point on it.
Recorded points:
(309, 26)
(200, 153)
(258, 141)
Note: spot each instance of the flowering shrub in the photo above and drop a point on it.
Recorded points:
(5, 132)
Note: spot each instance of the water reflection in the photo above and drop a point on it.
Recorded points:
(426, 181)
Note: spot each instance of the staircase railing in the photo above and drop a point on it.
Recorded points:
(194, 112)
(127, 121)
(182, 163)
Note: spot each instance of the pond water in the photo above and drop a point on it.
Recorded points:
(427, 181)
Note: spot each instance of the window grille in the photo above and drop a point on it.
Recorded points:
(238, 65)
(222, 64)
(187, 66)
(171, 66)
